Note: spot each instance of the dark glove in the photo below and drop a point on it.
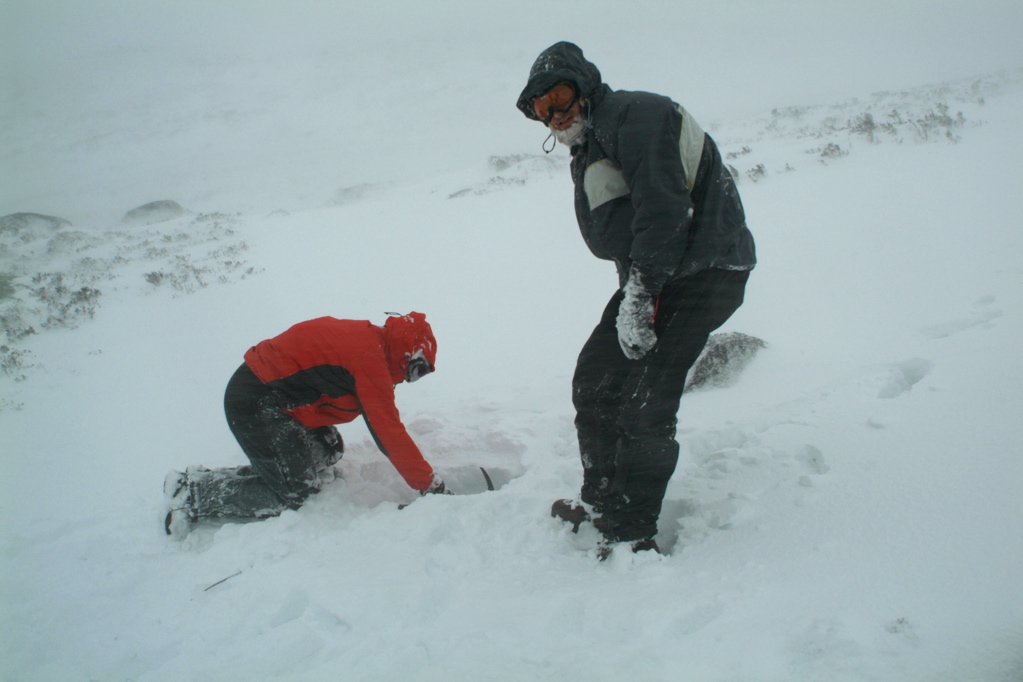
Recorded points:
(331, 438)
(437, 488)
(636, 318)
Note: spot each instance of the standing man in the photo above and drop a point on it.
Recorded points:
(282, 404)
(652, 195)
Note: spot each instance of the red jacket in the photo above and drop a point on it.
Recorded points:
(329, 371)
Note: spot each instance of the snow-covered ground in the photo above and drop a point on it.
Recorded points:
(850, 509)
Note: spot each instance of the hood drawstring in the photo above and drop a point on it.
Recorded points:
(553, 144)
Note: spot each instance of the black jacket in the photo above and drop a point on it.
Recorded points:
(650, 188)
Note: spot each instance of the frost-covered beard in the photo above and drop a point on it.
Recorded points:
(571, 134)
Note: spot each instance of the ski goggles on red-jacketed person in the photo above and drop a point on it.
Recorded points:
(418, 367)
(559, 98)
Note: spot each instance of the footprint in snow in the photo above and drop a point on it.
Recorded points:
(982, 316)
(902, 376)
(825, 642)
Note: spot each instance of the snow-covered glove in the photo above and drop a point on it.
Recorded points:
(436, 488)
(636, 318)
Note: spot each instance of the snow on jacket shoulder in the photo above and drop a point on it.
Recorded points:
(329, 371)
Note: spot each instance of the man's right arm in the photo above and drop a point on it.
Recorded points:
(376, 397)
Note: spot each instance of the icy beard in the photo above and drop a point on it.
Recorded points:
(571, 134)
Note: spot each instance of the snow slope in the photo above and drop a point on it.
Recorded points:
(848, 510)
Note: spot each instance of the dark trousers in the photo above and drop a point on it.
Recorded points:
(288, 462)
(626, 410)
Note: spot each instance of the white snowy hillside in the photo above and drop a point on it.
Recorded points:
(181, 180)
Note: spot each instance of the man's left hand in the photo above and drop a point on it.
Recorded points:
(636, 320)
(437, 487)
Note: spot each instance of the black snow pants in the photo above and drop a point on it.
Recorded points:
(626, 410)
(288, 461)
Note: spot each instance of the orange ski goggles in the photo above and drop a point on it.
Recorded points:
(559, 98)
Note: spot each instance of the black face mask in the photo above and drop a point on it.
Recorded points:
(418, 367)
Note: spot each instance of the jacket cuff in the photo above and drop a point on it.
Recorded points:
(641, 283)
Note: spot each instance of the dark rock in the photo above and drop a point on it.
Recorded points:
(30, 226)
(154, 212)
(723, 359)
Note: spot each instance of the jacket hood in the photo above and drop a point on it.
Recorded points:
(560, 63)
(404, 336)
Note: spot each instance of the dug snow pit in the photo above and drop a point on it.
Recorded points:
(471, 480)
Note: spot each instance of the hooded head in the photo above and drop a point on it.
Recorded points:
(560, 63)
(409, 340)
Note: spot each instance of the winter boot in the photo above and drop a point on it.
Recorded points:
(570, 511)
(233, 493)
(180, 513)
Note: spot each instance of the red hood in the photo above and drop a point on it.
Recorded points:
(405, 335)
